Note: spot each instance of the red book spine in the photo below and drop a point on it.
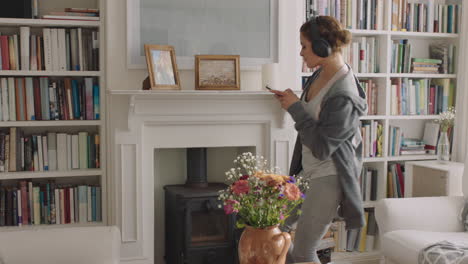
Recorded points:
(37, 99)
(401, 180)
(24, 202)
(432, 100)
(5, 52)
(66, 201)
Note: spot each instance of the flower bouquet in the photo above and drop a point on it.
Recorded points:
(446, 120)
(262, 199)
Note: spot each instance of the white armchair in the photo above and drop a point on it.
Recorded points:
(74, 245)
(408, 225)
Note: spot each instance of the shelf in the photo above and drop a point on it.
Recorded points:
(50, 73)
(338, 256)
(17, 22)
(370, 204)
(367, 32)
(403, 34)
(49, 174)
(423, 35)
(374, 159)
(370, 75)
(37, 227)
(422, 75)
(412, 157)
(373, 117)
(396, 75)
(50, 123)
(413, 117)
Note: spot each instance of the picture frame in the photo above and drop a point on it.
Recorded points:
(217, 72)
(162, 67)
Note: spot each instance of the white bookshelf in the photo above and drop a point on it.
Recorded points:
(19, 22)
(50, 174)
(78, 176)
(37, 227)
(58, 123)
(414, 124)
(52, 73)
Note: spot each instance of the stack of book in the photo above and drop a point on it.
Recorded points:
(358, 240)
(419, 65)
(370, 88)
(371, 132)
(362, 54)
(44, 98)
(368, 180)
(356, 14)
(56, 49)
(401, 56)
(429, 16)
(51, 151)
(421, 96)
(412, 146)
(446, 54)
(73, 13)
(36, 203)
(396, 180)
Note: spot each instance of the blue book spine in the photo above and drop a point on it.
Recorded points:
(49, 202)
(93, 199)
(76, 100)
(45, 98)
(96, 103)
(98, 204)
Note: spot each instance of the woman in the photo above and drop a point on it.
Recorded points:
(328, 147)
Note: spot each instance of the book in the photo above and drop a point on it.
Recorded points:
(431, 134)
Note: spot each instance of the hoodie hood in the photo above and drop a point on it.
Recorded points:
(346, 87)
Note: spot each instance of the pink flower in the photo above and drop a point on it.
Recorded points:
(240, 187)
(229, 207)
(281, 216)
(244, 177)
(292, 192)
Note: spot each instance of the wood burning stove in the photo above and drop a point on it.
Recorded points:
(197, 229)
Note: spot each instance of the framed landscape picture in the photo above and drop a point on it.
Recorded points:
(162, 67)
(217, 72)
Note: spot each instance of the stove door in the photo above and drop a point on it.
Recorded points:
(207, 224)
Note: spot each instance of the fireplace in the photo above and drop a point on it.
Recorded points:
(197, 230)
(149, 152)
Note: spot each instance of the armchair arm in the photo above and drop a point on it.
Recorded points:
(420, 213)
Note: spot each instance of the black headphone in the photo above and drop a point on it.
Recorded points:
(320, 46)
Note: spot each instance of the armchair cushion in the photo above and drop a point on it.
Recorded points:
(404, 246)
(440, 214)
(74, 245)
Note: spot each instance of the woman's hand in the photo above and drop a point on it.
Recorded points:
(286, 98)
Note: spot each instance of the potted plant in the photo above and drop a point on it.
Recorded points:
(262, 199)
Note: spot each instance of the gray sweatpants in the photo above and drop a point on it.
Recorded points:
(318, 210)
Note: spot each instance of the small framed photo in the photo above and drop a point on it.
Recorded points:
(162, 67)
(217, 72)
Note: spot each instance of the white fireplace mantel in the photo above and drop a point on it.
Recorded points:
(181, 119)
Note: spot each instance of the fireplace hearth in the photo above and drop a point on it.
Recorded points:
(197, 229)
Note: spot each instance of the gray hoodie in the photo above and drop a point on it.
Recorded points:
(335, 134)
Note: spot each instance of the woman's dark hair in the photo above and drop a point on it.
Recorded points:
(329, 29)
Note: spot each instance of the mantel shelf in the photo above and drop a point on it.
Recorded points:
(194, 94)
(184, 92)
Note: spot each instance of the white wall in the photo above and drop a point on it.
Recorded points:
(120, 78)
